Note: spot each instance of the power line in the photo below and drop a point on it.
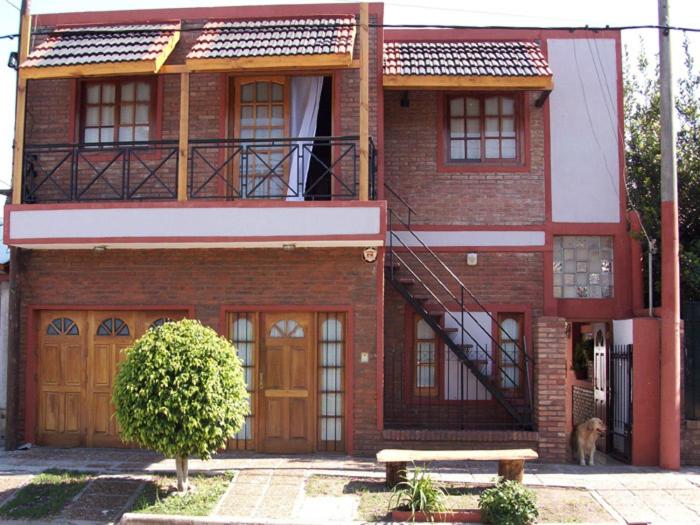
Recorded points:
(13, 5)
(570, 29)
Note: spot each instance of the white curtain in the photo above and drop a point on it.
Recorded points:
(305, 99)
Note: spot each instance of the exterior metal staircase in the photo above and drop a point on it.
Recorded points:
(437, 295)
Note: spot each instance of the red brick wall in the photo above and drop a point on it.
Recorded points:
(206, 279)
(459, 198)
(499, 279)
(690, 442)
(52, 118)
(550, 389)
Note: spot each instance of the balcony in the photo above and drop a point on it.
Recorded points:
(299, 169)
(239, 193)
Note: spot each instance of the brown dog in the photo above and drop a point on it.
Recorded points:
(584, 437)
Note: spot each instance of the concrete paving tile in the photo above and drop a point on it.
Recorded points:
(323, 509)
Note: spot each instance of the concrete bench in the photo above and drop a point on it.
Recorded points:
(511, 462)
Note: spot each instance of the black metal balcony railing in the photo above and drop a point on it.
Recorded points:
(105, 172)
(217, 169)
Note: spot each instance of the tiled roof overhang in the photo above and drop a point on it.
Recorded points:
(475, 65)
(274, 44)
(102, 50)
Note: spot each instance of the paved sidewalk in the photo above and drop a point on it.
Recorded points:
(272, 487)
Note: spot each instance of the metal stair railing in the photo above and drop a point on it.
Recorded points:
(395, 260)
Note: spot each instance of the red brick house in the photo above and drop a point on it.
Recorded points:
(404, 232)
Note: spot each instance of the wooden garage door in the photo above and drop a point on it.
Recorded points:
(78, 356)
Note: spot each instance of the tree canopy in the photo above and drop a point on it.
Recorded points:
(643, 160)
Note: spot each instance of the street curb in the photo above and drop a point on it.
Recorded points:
(157, 519)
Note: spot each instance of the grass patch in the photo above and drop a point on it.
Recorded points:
(160, 495)
(46, 495)
(556, 505)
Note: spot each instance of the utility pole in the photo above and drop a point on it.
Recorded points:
(670, 408)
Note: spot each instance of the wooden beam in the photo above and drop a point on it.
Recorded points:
(334, 60)
(183, 148)
(90, 70)
(487, 83)
(20, 108)
(364, 101)
(542, 98)
(170, 69)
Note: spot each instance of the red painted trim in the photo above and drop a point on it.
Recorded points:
(31, 376)
(181, 240)
(379, 269)
(522, 117)
(242, 203)
(380, 236)
(476, 249)
(472, 227)
(547, 149)
(201, 13)
(350, 383)
(637, 262)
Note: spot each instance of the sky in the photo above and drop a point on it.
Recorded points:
(446, 12)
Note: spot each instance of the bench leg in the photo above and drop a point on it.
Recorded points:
(511, 469)
(395, 474)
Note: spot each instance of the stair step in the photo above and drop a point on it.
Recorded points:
(406, 281)
(450, 330)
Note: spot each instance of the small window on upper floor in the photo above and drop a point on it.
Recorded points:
(117, 110)
(483, 128)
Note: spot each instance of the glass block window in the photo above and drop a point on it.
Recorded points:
(242, 332)
(583, 267)
(331, 346)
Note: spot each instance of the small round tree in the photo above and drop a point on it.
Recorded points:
(181, 391)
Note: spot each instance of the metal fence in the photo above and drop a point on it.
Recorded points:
(691, 318)
(620, 402)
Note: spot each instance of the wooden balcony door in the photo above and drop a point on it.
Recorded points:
(287, 384)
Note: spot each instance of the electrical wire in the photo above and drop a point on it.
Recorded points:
(570, 29)
(12, 4)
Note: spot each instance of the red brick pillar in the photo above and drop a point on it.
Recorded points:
(550, 387)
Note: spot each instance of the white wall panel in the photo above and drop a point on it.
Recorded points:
(584, 130)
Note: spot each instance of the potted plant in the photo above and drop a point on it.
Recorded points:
(420, 498)
(583, 354)
(508, 503)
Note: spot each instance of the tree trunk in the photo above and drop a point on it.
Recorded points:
(181, 469)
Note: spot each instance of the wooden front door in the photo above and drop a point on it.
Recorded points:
(114, 331)
(78, 355)
(61, 379)
(287, 384)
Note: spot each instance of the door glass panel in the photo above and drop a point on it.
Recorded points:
(287, 328)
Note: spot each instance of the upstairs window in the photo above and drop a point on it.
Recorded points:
(483, 128)
(117, 110)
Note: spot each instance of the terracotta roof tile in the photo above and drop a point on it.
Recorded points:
(465, 59)
(284, 37)
(102, 44)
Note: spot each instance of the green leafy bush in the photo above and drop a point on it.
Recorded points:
(181, 391)
(508, 503)
(420, 493)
